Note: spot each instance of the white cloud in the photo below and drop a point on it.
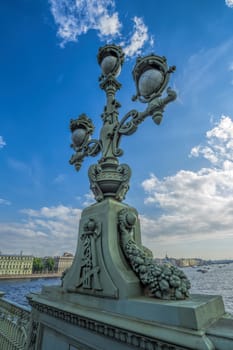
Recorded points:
(196, 205)
(4, 202)
(89, 199)
(32, 171)
(231, 66)
(47, 231)
(2, 142)
(203, 64)
(219, 144)
(59, 179)
(109, 25)
(75, 18)
(20, 166)
(138, 39)
(229, 3)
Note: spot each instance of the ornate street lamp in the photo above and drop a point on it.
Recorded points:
(109, 180)
(151, 75)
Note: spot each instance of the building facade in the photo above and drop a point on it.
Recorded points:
(16, 265)
(63, 262)
(186, 262)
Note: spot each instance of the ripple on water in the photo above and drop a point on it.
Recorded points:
(17, 290)
(216, 281)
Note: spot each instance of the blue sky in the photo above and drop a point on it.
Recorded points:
(182, 183)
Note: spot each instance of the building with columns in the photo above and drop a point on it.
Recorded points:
(63, 262)
(16, 264)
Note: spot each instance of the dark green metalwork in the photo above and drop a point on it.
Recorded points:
(109, 179)
(151, 75)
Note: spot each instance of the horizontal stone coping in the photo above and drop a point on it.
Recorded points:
(13, 308)
(106, 323)
(197, 312)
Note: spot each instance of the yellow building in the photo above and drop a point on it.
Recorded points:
(185, 262)
(63, 262)
(16, 264)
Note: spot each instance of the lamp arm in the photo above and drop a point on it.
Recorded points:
(91, 148)
(129, 123)
(156, 105)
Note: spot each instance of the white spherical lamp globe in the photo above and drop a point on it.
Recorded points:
(149, 82)
(108, 65)
(78, 136)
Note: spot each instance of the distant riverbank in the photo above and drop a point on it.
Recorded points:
(34, 275)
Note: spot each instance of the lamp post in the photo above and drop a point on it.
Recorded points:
(109, 182)
(151, 75)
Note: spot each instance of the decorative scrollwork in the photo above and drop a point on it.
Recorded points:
(33, 335)
(125, 127)
(112, 181)
(89, 268)
(129, 123)
(156, 106)
(82, 128)
(125, 172)
(82, 122)
(151, 74)
(158, 63)
(93, 171)
(162, 281)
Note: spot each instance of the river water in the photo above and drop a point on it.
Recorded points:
(212, 279)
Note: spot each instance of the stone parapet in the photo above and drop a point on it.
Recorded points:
(14, 322)
(221, 333)
(164, 327)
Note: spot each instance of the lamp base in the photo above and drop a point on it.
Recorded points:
(109, 180)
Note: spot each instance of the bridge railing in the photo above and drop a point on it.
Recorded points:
(14, 324)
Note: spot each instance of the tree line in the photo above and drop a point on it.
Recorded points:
(43, 265)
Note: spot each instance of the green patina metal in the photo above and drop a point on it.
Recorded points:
(14, 325)
(151, 75)
(104, 301)
(163, 281)
(110, 179)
